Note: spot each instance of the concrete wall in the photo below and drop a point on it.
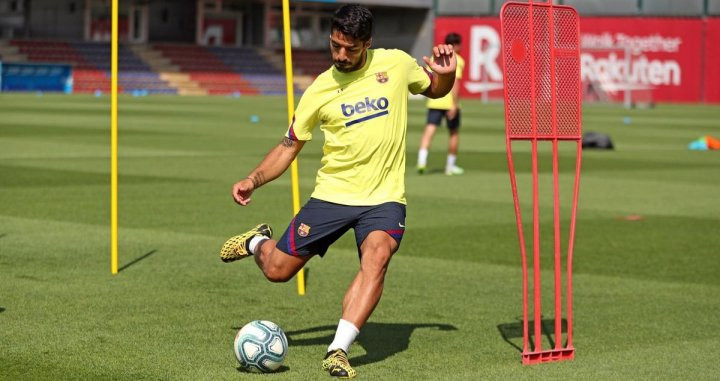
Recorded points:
(589, 7)
(464, 7)
(413, 35)
(394, 3)
(172, 20)
(673, 7)
(61, 19)
(605, 7)
(12, 18)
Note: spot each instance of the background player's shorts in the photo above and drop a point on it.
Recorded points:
(320, 223)
(435, 116)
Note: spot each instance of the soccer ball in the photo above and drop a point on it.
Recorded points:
(260, 346)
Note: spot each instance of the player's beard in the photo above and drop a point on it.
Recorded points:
(342, 66)
(347, 67)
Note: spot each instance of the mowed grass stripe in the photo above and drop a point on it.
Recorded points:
(489, 297)
(646, 292)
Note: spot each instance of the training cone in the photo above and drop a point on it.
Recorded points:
(704, 143)
(712, 143)
(698, 145)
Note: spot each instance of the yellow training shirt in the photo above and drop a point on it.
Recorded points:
(446, 102)
(363, 115)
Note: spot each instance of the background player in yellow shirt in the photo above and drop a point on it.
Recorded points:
(360, 104)
(447, 107)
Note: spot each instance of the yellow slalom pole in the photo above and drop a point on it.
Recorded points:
(291, 110)
(114, 142)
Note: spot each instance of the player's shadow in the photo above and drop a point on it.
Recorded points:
(380, 340)
(512, 333)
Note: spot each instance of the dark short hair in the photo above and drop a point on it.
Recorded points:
(353, 20)
(452, 39)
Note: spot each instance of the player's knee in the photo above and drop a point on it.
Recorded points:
(376, 270)
(376, 259)
(381, 254)
(278, 278)
(276, 274)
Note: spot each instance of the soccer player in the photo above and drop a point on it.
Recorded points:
(360, 104)
(447, 107)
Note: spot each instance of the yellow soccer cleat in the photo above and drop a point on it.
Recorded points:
(336, 363)
(238, 247)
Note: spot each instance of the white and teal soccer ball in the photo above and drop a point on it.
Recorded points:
(260, 346)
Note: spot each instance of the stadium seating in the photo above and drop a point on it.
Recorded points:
(226, 70)
(310, 62)
(206, 69)
(181, 68)
(255, 69)
(133, 74)
(91, 66)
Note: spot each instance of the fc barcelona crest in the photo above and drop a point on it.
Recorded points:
(303, 230)
(381, 77)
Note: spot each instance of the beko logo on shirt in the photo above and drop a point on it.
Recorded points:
(362, 107)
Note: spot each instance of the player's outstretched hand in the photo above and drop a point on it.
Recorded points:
(443, 59)
(242, 190)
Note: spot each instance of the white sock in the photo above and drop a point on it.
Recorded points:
(422, 157)
(255, 242)
(450, 162)
(344, 336)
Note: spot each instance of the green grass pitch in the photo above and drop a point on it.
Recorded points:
(647, 291)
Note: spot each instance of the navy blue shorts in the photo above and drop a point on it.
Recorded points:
(320, 223)
(435, 116)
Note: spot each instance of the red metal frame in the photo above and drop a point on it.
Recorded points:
(542, 105)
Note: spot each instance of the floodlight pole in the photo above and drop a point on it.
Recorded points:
(290, 111)
(114, 142)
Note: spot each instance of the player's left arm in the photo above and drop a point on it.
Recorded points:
(443, 63)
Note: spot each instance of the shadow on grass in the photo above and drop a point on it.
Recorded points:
(433, 171)
(2, 235)
(2, 309)
(380, 340)
(138, 259)
(510, 331)
(281, 369)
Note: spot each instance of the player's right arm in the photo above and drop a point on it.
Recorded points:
(277, 161)
(271, 167)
